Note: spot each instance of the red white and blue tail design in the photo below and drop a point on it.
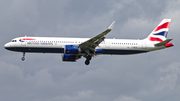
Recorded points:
(159, 34)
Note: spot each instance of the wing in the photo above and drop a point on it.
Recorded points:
(92, 43)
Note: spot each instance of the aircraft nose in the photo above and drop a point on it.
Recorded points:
(7, 45)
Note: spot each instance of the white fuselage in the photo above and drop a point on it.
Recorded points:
(57, 44)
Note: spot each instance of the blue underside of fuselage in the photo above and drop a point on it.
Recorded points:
(61, 50)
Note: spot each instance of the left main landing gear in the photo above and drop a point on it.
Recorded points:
(87, 62)
(23, 58)
(88, 58)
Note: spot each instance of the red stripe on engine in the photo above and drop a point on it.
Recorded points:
(165, 25)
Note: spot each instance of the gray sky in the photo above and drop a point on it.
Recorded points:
(153, 76)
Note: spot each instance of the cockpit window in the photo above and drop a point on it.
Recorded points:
(13, 41)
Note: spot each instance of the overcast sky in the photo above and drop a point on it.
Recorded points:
(153, 76)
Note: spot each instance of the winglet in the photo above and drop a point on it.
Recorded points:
(111, 26)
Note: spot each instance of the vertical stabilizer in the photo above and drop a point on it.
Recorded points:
(160, 32)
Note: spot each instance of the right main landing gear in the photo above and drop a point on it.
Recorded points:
(23, 58)
(88, 58)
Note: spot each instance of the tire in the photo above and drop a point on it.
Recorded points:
(22, 58)
(87, 62)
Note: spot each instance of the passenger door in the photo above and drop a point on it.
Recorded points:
(144, 45)
(107, 43)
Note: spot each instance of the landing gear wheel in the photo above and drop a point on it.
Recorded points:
(87, 62)
(88, 57)
(22, 58)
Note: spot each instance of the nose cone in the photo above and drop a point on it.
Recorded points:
(7, 46)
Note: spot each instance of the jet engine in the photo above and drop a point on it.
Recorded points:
(70, 58)
(71, 49)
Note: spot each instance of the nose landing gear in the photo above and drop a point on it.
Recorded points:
(23, 58)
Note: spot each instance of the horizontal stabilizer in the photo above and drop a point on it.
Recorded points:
(163, 42)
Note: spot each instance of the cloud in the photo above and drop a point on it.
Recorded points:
(79, 96)
(170, 77)
(126, 98)
(15, 82)
(140, 28)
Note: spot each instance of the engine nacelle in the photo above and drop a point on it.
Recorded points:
(71, 49)
(70, 58)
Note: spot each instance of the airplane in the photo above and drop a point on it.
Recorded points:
(73, 49)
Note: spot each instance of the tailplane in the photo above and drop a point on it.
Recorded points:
(165, 43)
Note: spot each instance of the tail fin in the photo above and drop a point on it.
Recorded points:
(160, 32)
